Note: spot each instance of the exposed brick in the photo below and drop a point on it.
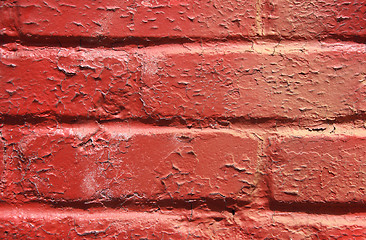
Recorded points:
(314, 19)
(295, 81)
(123, 19)
(2, 153)
(164, 18)
(70, 83)
(80, 163)
(183, 119)
(7, 17)
(318, 168)
(253, 224)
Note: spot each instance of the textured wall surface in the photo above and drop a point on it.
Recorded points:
(183, 119)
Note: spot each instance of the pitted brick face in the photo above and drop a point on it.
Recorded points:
(318, 169)
(161, 165)
(182, 119)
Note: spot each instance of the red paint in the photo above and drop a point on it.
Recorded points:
(309, 19)
(118, 19)
(318, 168)
(191, 82)
(182, 119)
(88, 163)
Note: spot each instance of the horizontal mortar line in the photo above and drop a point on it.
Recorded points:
(107, 42)
(174, 121)
(230, 47)
(234, 126)
(45, 212)
(333, 208)
(153, 121)
(137, 205)
(178, 120)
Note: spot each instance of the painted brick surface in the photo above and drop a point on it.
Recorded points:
(314, 19)
(318, 168)
(192, 82)
(2, 153)
(123, 19)
(70, 83)
(184, 19)
(87, 163)
(182, 119)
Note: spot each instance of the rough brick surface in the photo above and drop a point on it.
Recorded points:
(2, 153)
(122, 19)
(70, 83)
(307, 81)
(86, 163)
(183, 19)
(297, 81)
(318, 168)
(314, 19)
(182, 119)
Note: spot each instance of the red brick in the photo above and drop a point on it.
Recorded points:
(296, 81)
(80, 163)
(314, 19)
(318, 168)
(164, 18)
(69, 83)
(83, 85)
(179, 224)
(2, 153)
(292, 225)
(7, 17)
(121, 19)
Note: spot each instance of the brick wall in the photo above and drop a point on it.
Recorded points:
(169, 119)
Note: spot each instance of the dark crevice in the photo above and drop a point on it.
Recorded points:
(110, 42)
(107, 42)
(316, 129)
(23, 119)
(346, 38)
(333, 208)
(347, 118)
(212, 204)
(178, 121)
(211, 122)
